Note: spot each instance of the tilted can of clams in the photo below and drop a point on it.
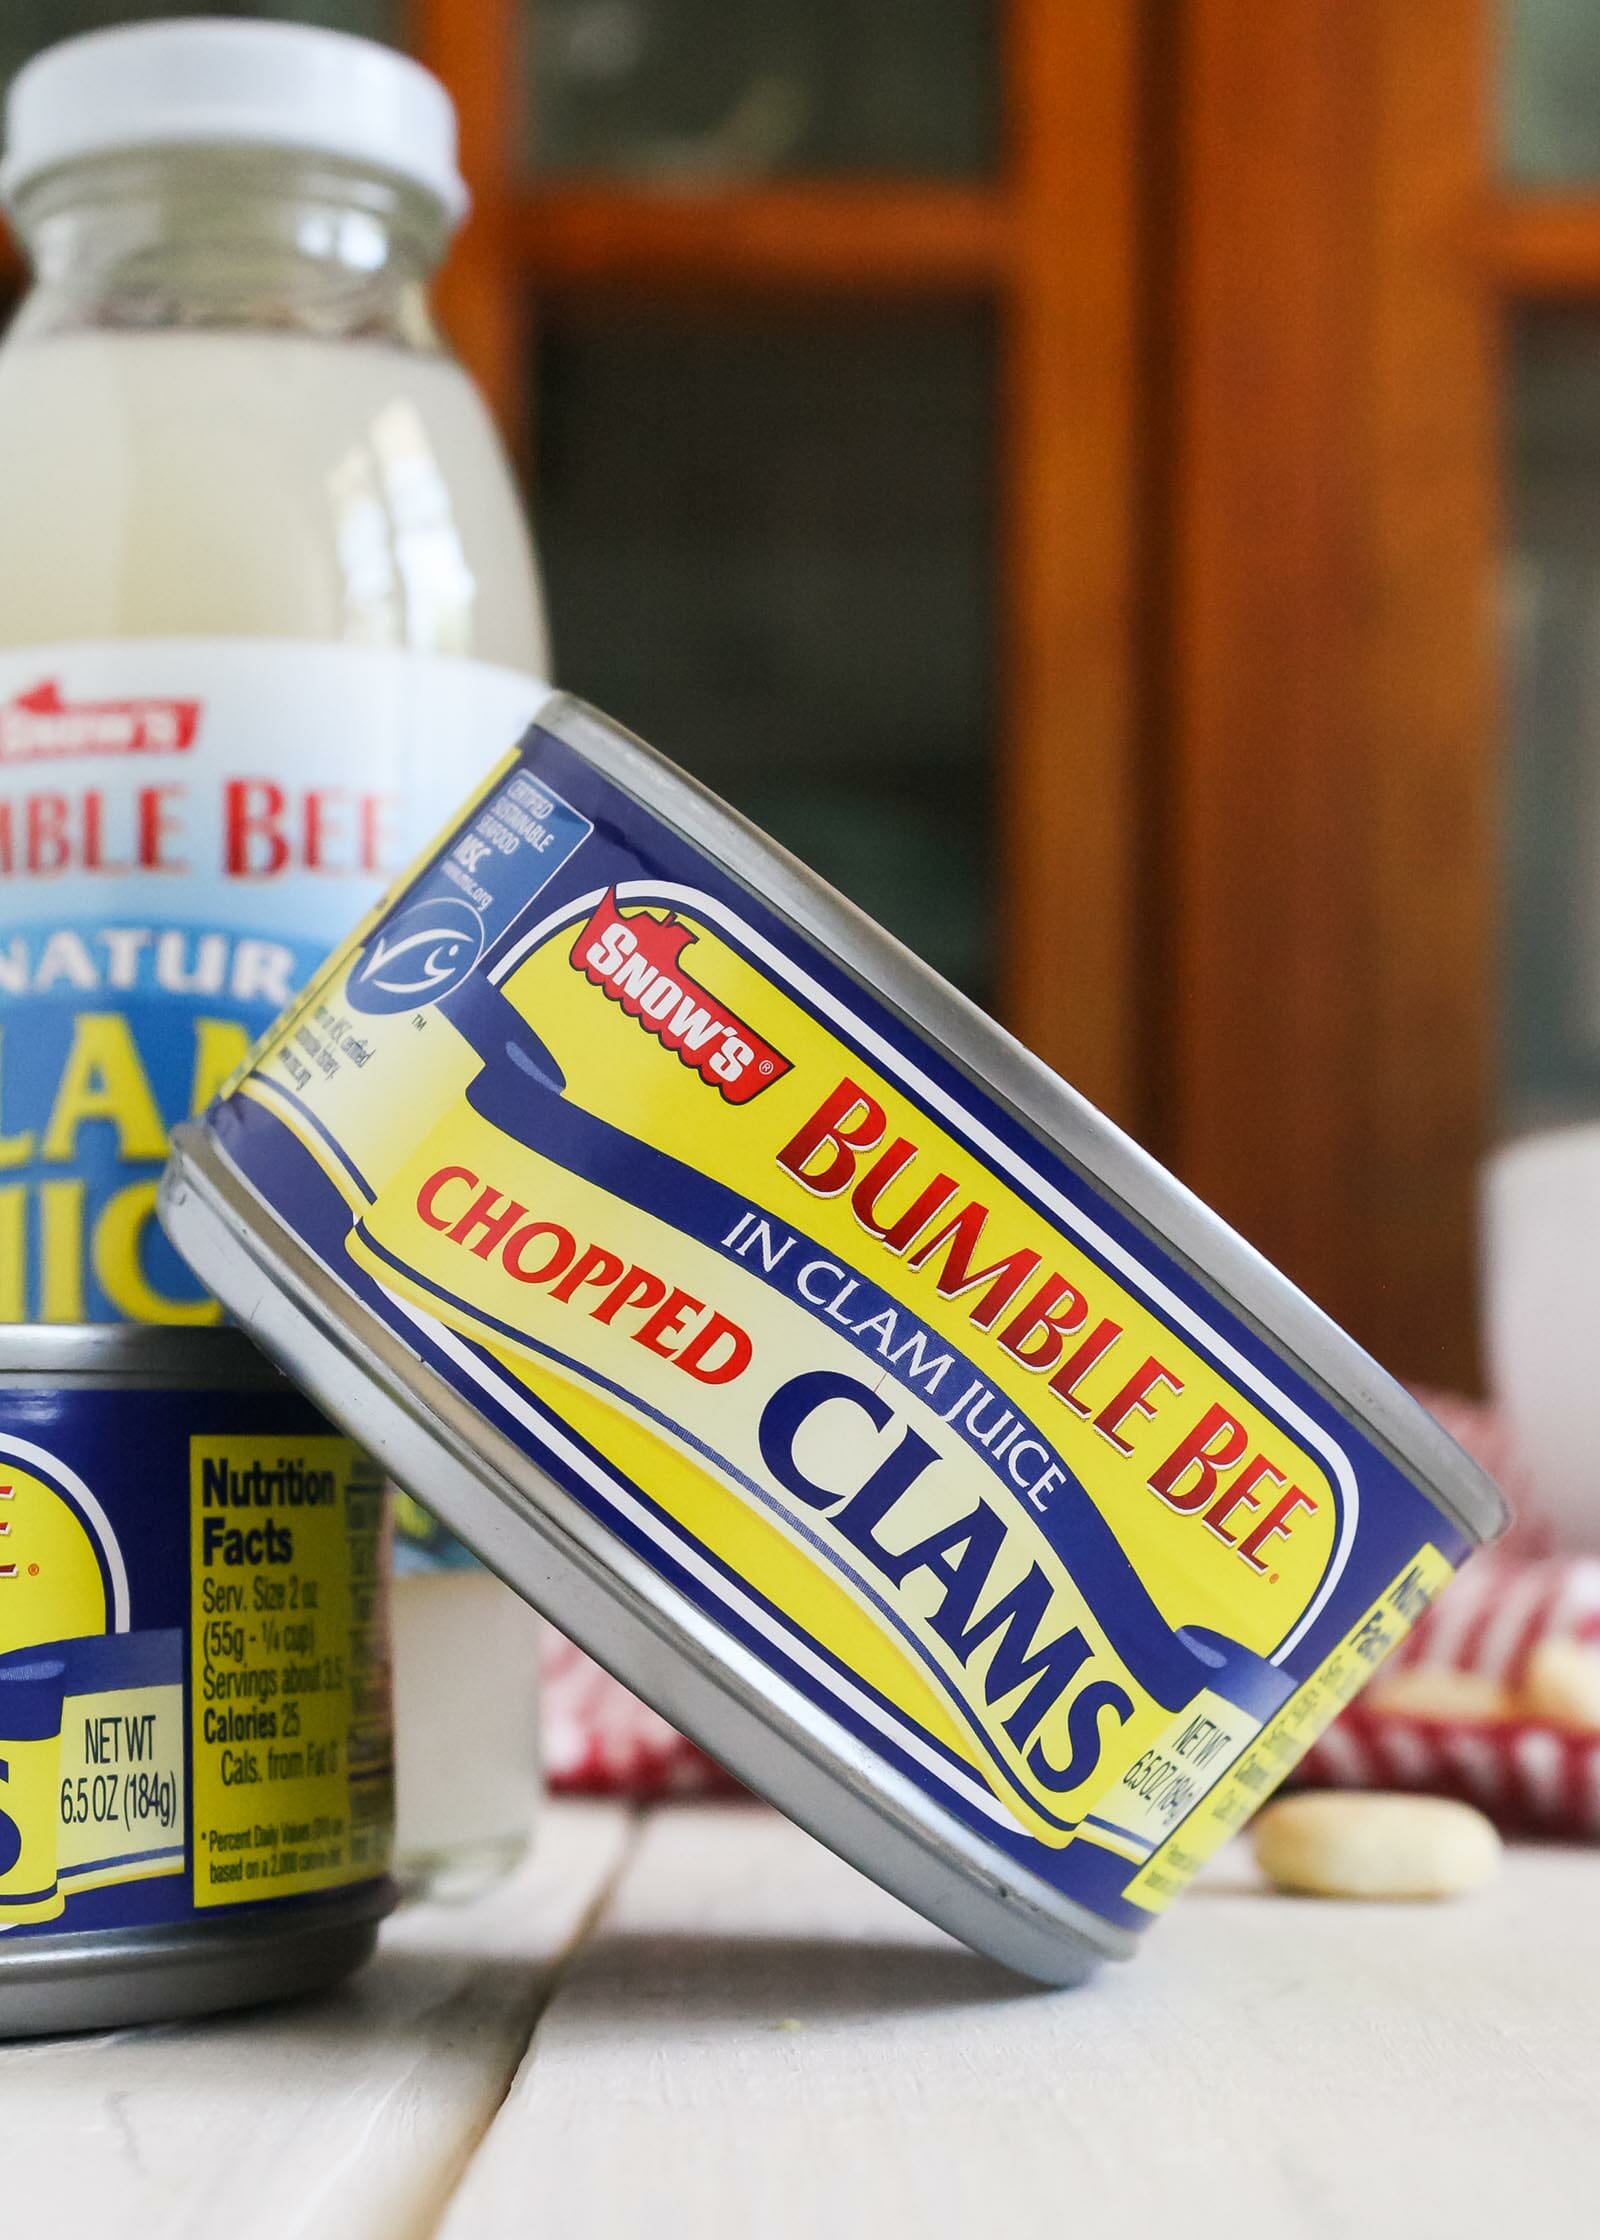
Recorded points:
(815, 1357)
(196, 1781)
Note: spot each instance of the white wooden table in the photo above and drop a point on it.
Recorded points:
(695, 2022)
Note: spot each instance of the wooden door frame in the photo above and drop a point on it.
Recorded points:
(1333, 740)
(1246, 474)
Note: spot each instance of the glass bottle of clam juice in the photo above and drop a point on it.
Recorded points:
(267, 609)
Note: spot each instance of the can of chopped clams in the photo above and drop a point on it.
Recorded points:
(815, 1357)
(195, 1757)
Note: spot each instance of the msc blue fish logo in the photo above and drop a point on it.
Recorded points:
(417, 957)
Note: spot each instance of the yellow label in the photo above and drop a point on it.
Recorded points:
(289, 1696)
(91, 1771)
(29, 1868)
(1023, 1342)
(52, 1584)
(1284, 1741)
(121, 1787)
(1176, 1768)
(816, 1330)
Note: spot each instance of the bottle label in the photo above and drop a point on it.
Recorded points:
(422, 1543)
(187, 826)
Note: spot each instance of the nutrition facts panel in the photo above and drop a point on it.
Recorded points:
(289, 1697)
(695, 2022)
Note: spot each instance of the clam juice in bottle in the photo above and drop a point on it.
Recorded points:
(267, 605)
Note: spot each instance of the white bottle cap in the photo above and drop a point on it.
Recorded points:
(210, 83)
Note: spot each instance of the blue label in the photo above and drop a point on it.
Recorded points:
(836, 1348)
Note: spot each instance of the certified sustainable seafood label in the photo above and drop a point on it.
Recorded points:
(827, 1337)
(194, 1707)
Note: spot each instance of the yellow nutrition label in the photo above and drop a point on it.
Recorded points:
(292, 1775)
(1284, 1741)
(121, 1786)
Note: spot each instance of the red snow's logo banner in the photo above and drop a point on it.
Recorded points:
(40, 726)
(637, 962)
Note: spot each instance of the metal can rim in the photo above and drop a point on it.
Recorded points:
(182, 1357)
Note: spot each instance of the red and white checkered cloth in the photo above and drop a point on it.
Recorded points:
(600, 1740)
(1527, 1774)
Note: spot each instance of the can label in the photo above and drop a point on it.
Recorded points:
(186, 828)
(937, 1437)
(194, 1679)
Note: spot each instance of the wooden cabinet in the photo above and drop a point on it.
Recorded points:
(1330, 735)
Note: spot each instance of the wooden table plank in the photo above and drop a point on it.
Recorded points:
(755, 2041)
(344, 2118)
